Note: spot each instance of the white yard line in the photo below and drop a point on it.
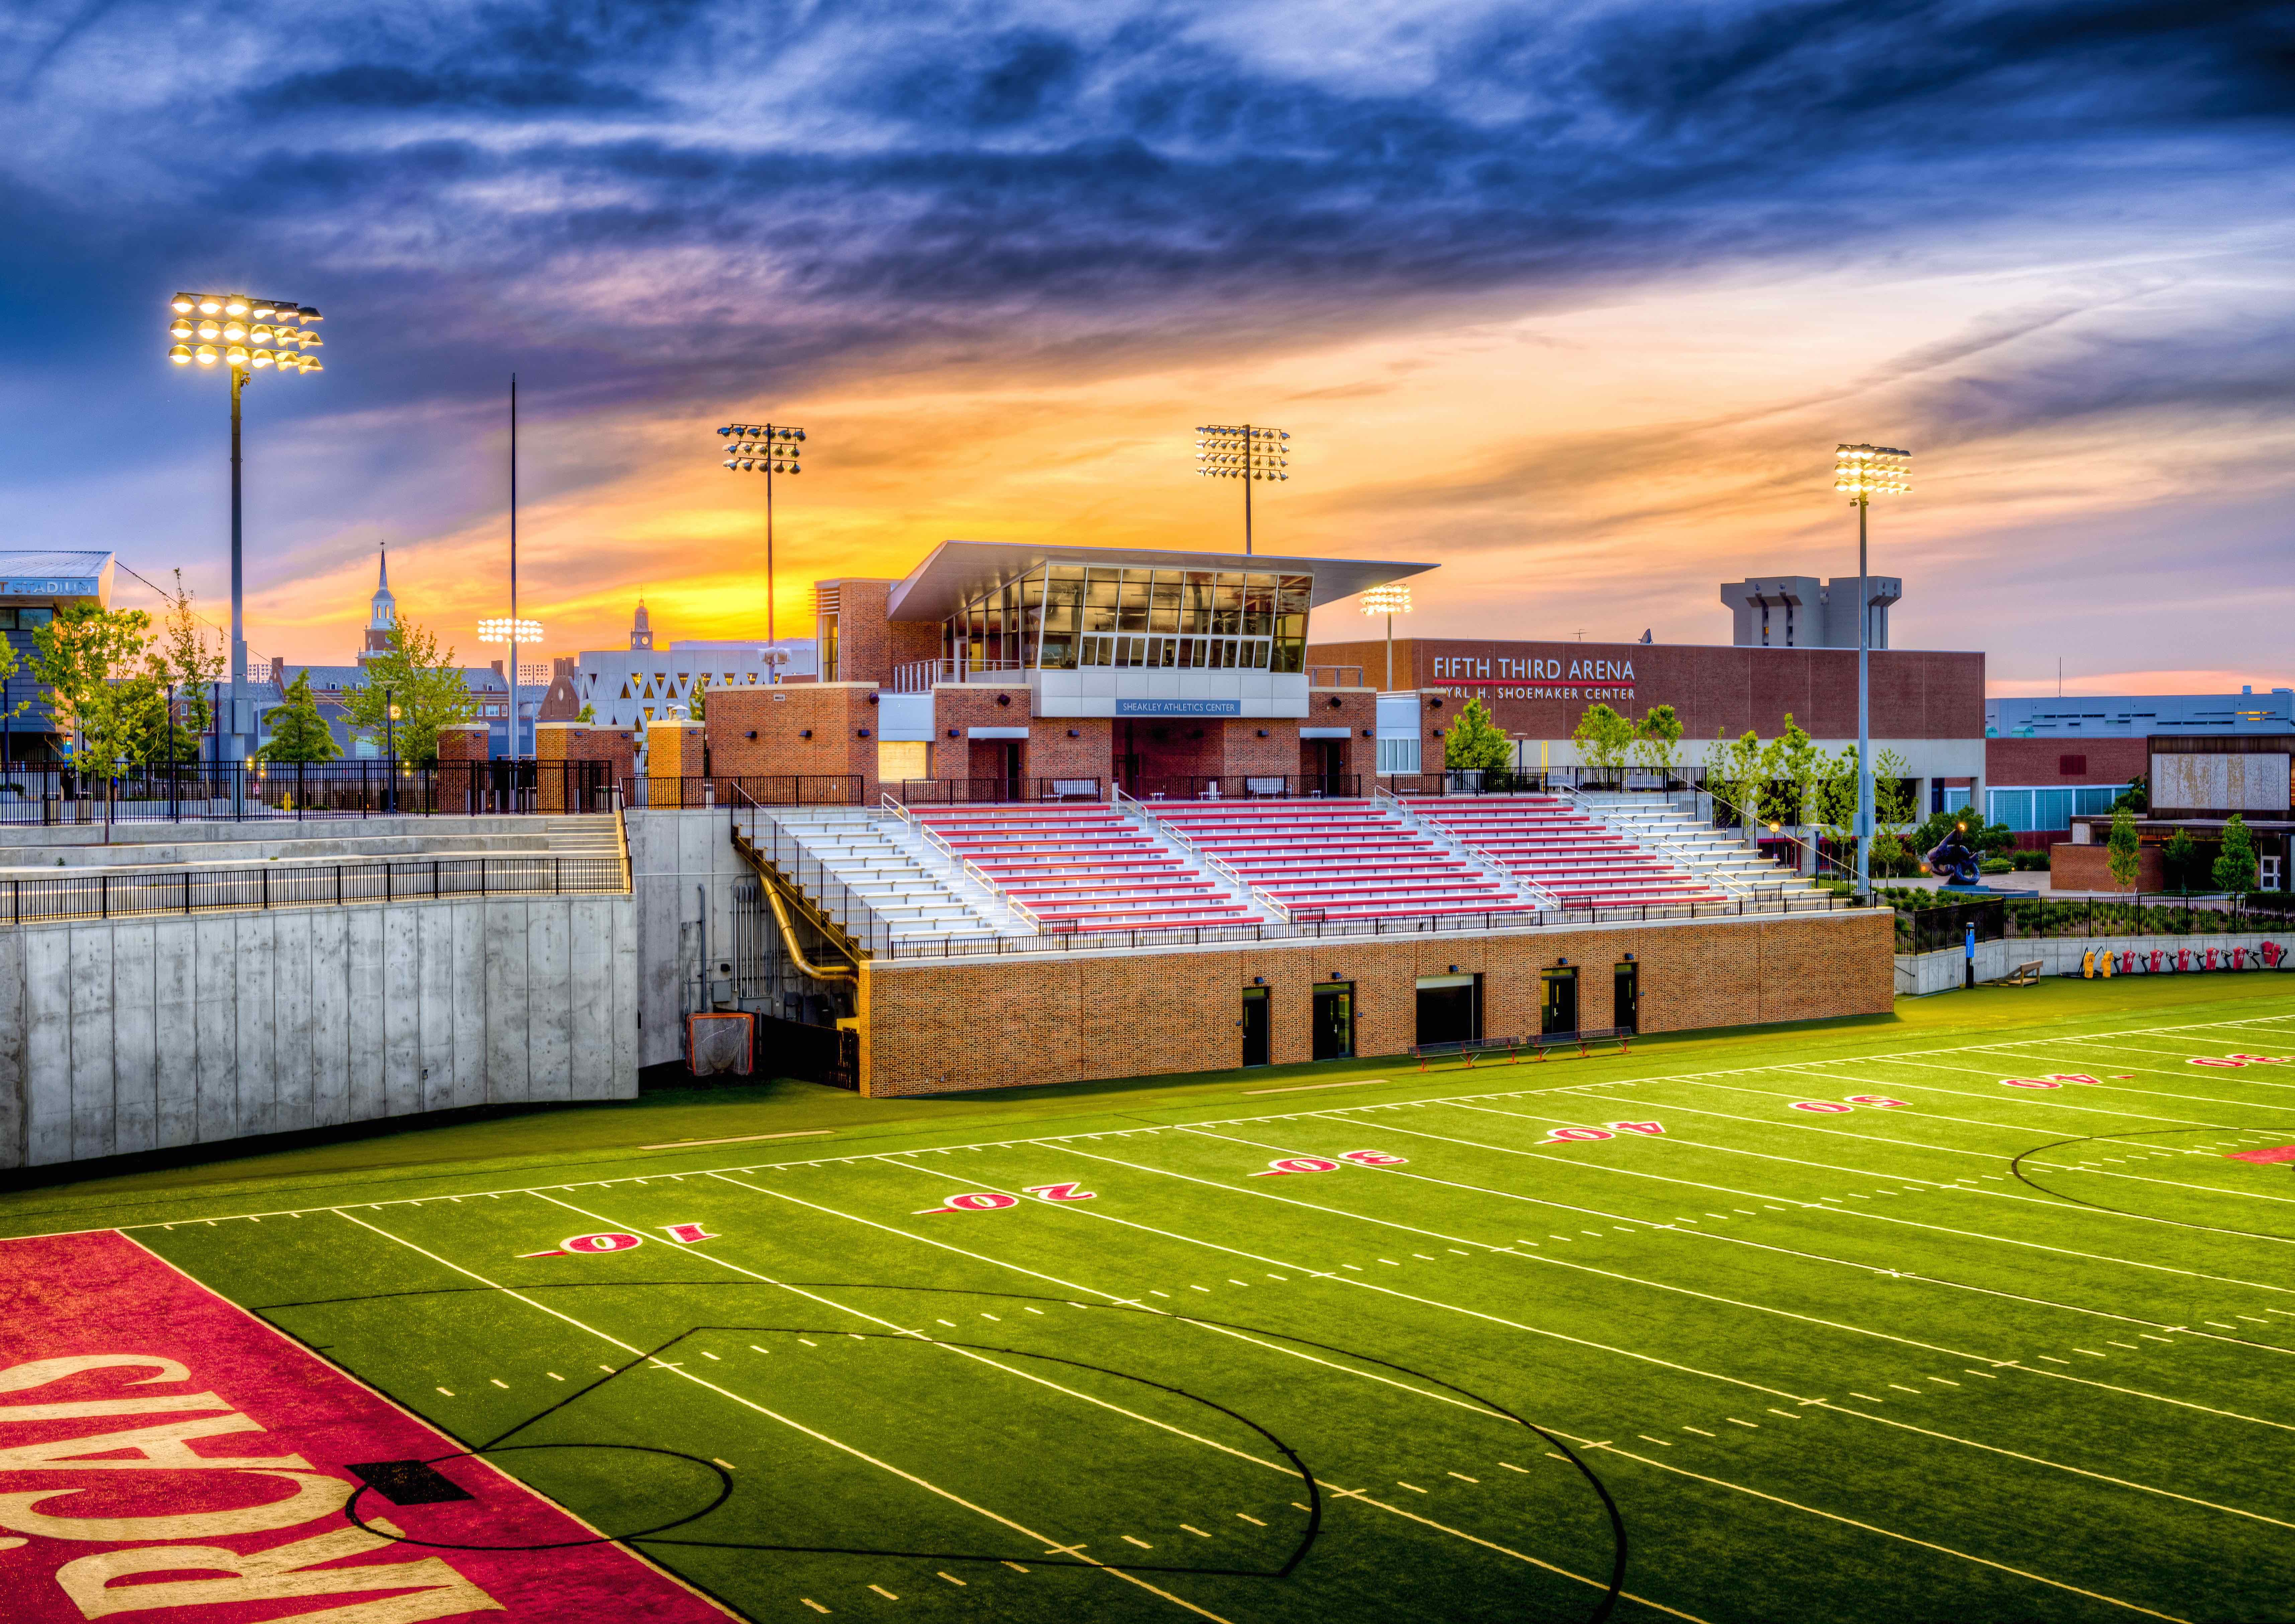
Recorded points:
(793, 1424)
(1871, 1528)
(559, 1184)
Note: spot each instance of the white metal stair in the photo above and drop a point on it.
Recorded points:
(911, 888)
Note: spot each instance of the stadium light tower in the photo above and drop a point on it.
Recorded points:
(1242, 451)
(767, 449)
(245, 335)
(1390, 601)
(1865, 472)
(511, 630)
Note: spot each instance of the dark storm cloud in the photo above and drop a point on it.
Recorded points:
(677, 200)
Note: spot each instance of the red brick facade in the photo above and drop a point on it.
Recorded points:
(808, 729)
(1540, 690)
(2088, 868)
(937, 1028)
(463, 741)
(2044, 763)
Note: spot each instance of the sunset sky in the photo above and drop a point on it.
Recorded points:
(1572, 299)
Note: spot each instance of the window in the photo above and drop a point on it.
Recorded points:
(1397, 755)
(827, 649)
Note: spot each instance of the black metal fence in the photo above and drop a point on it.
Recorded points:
(783, 789)
(994, 791)
(1247, 786)
(1922, 929)
(1544, 780)
(237, 792)
(100, 893)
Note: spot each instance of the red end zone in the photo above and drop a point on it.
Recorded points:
(166, 1455)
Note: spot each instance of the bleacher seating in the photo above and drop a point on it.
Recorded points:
(1546, 840)
(1086, 868)
(1340, 858)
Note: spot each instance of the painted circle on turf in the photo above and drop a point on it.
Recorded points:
(2017, 1167)
(724, 1491)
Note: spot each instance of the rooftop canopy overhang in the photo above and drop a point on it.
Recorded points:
(958, 572)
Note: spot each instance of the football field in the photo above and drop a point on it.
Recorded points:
(1890, 1324)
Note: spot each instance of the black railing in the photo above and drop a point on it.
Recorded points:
(1923, 927)
(994, 791)
(234, 792)
(105, 893)
(1247, 786)
(717, 790)
(1540, 780)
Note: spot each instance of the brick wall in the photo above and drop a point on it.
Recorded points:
(864, 648)
(1052, 753)
(1916, 693)
(1356, 710)
(947, 1028)
(2042, 761)
(833, 712)
(463, 741)
(675, 754)
(2088, 868)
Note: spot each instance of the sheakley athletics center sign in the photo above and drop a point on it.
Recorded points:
(165, 1455)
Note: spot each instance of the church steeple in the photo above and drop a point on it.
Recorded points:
(382, 611)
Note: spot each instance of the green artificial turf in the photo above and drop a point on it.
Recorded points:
(1986, 1352)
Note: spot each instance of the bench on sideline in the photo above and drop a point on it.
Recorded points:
(1471, 1047)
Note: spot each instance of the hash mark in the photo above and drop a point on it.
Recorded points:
(498, 1382)
(1197, 1532)
(1254, 1522)
(949, 1577)
(1659, 1442)
(1463, 1478)
(1143, 1544)
(888, 1594)
(1414, 1488)
(1700, 1431)
(809, 1602)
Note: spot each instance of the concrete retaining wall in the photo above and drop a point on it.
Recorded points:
(1919, 974)
(124, 1035)
(674, 858)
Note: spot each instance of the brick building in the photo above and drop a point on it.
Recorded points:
(1927, 706)
(1011, 673)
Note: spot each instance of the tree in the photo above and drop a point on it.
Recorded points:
(2136, 797)
(589, 713)
(2235, 865)
(1736, 770)
(181, 656)
(2180, 856)
(1475, 743)
(88, 659)
(1802, 765)
(299, 733)
(1603, 739)
(1657, 743)
(2125, 854)
(698, 701)
(426, 686)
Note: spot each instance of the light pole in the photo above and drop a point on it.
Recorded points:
(1865, 472)
(253, 334)
(1389, 601)
(1239, 451)
(767, 449)
(513, 631)
(390, 750)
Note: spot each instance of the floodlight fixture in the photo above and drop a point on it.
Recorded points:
(246, 335)
(509, 628)
(767, 449)
(1390, 600)
(1864, 472)
(1248, 451)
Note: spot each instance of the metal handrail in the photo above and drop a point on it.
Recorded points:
(843, 908)
(1691, 863)
(965, 865)
(109, 893)
(1459, 846)
(1217, 865)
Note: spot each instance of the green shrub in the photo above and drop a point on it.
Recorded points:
(1997, 865)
